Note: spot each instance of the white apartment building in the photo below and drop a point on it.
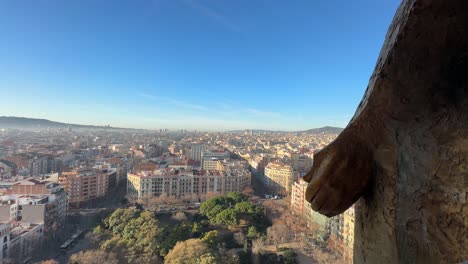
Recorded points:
(234, 176)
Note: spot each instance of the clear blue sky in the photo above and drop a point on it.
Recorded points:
(194, 64)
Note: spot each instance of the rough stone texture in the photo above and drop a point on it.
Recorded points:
(405, 152)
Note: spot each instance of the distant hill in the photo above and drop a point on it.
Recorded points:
(34, 123)
(321, 130)
(324, 130)
(254, 130)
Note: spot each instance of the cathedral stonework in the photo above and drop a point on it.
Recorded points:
(404, 155)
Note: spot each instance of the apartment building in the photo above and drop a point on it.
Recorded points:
(298, 202)
(348, 234)
(209, 155)
(49, 209)
(7, 169)
(196, 151)
(5, 233)
(179, 183)
(339, 229)
(258, 164)
(279, 177)
(36, 163)
(84, 184)
(8, 209)
(301, 163)
(212, 164)
(24, 239)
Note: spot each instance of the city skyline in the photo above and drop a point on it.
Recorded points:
(204, 65)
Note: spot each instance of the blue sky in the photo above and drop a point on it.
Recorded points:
(194, 64)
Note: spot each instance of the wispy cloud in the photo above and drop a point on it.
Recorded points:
(174, 102)
(212, 14)
(261, 113)
(223, 115)
(232, 109)
(224, 106)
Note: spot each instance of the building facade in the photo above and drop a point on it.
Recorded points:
(279, 177)
(210, 155)
(196, 151)
(5, 233)
(298, 202)
(83, 185)
(37, 163)
(182, 183)
(7, 169)
(338, 231)
(24, 239)
(348, 234)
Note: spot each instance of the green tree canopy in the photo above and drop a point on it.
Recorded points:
(226, 217)
(117, 221)
(173, 234)
(238, 197)
(230, 209)
(211, 238)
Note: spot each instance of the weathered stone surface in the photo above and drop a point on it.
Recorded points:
(405, 152)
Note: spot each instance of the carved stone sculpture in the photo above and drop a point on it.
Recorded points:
(405, 152)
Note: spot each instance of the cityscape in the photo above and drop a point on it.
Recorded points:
(61, 185)
(233, 132)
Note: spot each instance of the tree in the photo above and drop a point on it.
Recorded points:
(229, 259)
(114, 244)
(257, 248)
(214, 206)
(226, 217)
(180, 216)
(252, 233)
(171, 235)
(214, 211)
(130, 232)
(238, 197)
(249, 212)
(211, 238)
(117, 221)
(229, 210)
(50, 261)
(196, 228)
(278, 233)
(289, 256)
(99, 234)
(208, 259)
(239, 238)
(140, 234)
(94, 257)
(189, 252)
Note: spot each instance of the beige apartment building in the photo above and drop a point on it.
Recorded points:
(212, 164)
(339, 228)
(298, 202)
(348, 234)
(180, 183)
(84, 185)
(279, 177)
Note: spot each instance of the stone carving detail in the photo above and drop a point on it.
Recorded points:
(404, 154)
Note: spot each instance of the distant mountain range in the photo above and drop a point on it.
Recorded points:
(34, 123)
(324, 130)
(313, 131)
(13, 122)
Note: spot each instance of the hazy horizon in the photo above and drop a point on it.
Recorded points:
(176, 129)
(205, 65)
